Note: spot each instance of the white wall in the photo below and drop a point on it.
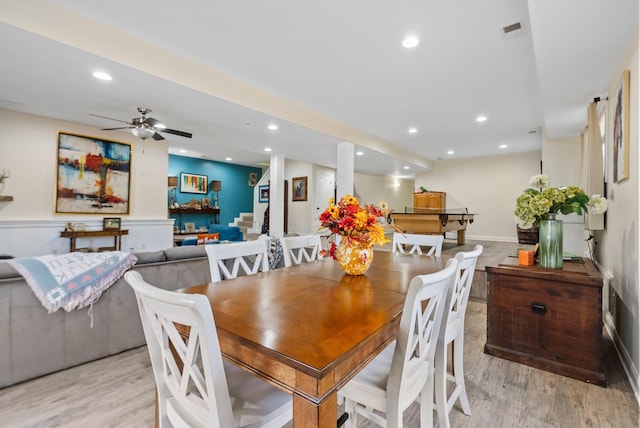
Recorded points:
(618, 244)
(29, 225)
(487, 186)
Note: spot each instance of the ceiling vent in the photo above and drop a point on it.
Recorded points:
(512, 31)
(511, 28)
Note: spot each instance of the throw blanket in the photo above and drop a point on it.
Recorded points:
(73, 280)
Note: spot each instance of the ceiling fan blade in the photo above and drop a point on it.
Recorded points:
(110, 118)
(157, 136)
(113, 129)
(174, 132)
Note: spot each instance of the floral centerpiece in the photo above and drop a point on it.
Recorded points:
(358, 228)
(539, 200)
(538, 206)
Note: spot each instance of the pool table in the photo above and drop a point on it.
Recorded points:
(433, 221)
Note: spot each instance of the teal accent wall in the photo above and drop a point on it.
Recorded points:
(235, 197)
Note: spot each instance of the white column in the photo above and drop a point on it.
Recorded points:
(344, 173)
(276, 196)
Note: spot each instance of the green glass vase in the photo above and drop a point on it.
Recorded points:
(550, 242)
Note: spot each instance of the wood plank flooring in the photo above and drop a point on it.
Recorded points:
(118, 391)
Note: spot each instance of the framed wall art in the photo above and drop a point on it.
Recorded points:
(111, 223)
(193, 183)
(263, 193)
(94, 175)
(299, 185)
(621, 129)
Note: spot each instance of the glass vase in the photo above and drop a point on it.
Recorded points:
(551, 242)
(353, 258)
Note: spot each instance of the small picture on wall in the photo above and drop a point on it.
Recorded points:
(263, 193)
(621, 129)
(193, 183)
(111, 223)
(299, 185)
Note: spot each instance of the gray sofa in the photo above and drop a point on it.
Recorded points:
(36, 343)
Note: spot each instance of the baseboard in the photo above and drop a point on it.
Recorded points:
(625, 358)
(491, 238)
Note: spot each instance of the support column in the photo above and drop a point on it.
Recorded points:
(344, 173)
(276, 196)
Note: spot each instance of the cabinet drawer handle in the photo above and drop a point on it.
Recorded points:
(538, 308)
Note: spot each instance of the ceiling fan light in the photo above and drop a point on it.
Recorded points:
(143, 133)
(160, 126)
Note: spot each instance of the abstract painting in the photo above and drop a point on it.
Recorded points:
(94, 175)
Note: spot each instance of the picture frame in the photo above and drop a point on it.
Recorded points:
(206, 203)
(190, 227)
(111, 223)
(193, 183)
(621, 129)
(299, 188)
(93, 175)
(263, 193)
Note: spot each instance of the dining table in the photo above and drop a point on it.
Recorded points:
(308, 329)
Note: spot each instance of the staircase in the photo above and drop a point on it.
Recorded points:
(245, 222)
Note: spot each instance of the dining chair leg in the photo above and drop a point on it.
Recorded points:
(459, 376)
(350, 410)
(440, 392)
(426, 403)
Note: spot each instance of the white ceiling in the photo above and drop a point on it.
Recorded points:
(325, 72)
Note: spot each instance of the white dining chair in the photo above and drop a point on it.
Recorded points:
(453, 333)
(195, 387)
(300, 249)
(250, 256)
(417, 241)
(403, 372)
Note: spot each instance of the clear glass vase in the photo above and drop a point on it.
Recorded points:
(551, 242)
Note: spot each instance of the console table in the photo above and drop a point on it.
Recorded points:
(550, 319)
(213, 212)
(73, 235)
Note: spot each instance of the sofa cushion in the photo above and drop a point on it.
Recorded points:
(189, 252)
(7, 271)
(150, 257)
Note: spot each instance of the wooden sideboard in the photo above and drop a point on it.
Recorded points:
(74, 235)
(214, 213)
(436, 200)
(550, 319)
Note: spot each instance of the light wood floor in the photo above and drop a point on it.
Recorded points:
(119, 392)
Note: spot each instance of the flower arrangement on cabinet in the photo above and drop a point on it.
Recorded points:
(357, 224)
(540, 199)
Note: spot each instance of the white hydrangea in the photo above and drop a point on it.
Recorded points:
(539, 181)
(597, 204)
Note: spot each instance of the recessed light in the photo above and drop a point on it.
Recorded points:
(412, 130)
(481, 118)
(359, 153)
(503, 146)
(410, 42)
(273, 126)
(101, 75)
(407, 167)
(450, 152)
(183, 151)
(228, 159)
(267, 149)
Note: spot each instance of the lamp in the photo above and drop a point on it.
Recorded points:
(215, 186)
(143, 131)
(172, 183)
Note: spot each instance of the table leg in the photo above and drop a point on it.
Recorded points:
(116, 242)
(72, 244)
(309, 414)
(461, 236)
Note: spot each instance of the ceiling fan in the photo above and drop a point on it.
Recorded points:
(145, 127)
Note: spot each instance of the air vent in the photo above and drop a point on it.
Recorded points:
(511, 28)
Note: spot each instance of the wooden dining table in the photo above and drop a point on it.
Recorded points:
(308, 329)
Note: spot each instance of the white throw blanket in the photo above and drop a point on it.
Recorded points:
(73, 280)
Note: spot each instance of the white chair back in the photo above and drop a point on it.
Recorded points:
(188, 395)
(300, 249)
(195, 387)
(250, 256)
(453, 331)
(403, 372)
(417, 241)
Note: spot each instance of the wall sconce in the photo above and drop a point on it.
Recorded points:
(215, 186)
(172, 183)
